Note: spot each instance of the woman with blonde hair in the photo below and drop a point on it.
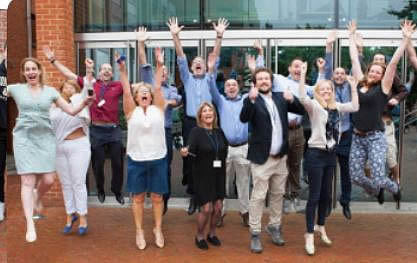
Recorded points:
(208, 145)
(147, 169)
(34, 143)
(324, 112)
(72, 155)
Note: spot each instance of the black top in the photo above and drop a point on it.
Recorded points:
(3, 95)
(261, 128)
(208, 146)
(371, 107)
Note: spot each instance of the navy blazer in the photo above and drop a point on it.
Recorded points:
(259, 119)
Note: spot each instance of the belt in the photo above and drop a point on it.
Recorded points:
(294, 126)
(363, 133)
(237, 145)
(107, 124)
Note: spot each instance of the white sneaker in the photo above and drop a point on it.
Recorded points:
(1, 211)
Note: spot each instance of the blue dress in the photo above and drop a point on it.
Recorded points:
(33, 139)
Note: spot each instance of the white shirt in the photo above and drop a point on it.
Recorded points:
(276, 141)
(146, 134)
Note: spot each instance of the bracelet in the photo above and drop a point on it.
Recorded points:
(52, 60)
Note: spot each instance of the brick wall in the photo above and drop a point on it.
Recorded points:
(54, 27)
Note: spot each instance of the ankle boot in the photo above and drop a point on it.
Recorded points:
(323, 236)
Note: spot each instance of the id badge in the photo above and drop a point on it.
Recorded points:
(101, 103)
(217, 164)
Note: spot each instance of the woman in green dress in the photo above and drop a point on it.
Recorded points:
(33, 139)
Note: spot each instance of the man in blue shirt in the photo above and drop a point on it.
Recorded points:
(236, 133)
(196, 89)
(171, 97)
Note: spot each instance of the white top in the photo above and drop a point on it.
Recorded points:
(64, 124)
(146, 134)
(318, 119)
(276, 141)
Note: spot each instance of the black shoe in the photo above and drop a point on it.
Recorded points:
(101, 197)
(120, 199)
(397, 198)
(380, 196)
(214, 241)
(165, 206)
(201, 244)
(192, 207)
(346, 211)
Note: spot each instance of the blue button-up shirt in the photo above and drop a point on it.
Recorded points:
(342, 92)
(196, 88)
(170, 92)
(236, 132)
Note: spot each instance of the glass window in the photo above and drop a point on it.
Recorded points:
(376, 14)
(302, 14)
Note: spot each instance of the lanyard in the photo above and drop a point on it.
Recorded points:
(213, 141)
(103, 89)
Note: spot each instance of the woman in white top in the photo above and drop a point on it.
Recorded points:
(72, 155)
(324, 112)
(147, 169)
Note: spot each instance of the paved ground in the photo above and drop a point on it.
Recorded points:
(111, 238)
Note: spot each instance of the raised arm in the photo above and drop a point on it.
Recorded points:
(412, 55)
(175, 31)
(141, 37)
(50, 54)
(159, 100)
(304, 99)
(353, 51)
(353, 105)
(215, 94)
(68, 108)
(221, 26)
(408, 28)
(128, 101)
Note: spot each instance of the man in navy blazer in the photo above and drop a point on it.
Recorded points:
(266, 112)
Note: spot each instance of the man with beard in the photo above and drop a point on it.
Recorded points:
(104, 130)
(196, 89)
(267, 113)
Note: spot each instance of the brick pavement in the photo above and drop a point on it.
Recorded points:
(111, 238)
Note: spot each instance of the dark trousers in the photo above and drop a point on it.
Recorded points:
(102, 139)
(168, 141)
(320, 166)
(187, 164)
(3, 142)
(342, 152)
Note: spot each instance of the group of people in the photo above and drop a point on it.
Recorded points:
(255, 137)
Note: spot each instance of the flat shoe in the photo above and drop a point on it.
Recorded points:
(201, 244)
(140, 240)
(82, 230)
(159, 238)
(214, 240)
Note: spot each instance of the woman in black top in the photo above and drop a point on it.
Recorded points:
(208, 145)
(368, 142)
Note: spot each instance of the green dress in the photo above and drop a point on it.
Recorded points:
(33, 139)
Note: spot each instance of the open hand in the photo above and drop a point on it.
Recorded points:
(49, 53)
(287, 94)
(331, 38)
(221, 26)
(353, 82)
(251, 62)
(173, 26)
(352, 26)
(159, 55)
(141, 35)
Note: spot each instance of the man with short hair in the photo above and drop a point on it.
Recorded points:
(267, 114)
(196, 89)
(104, 130)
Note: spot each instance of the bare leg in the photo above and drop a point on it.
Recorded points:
(202, 219)
(158, 208)
(44, 184)
(215, 214)
(27, 185)
(137, 208)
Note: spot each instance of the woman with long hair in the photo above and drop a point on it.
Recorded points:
(324, 113)
(73, 155)
(208, 145)
(34, 143)
(147, 169)
(368, 142)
